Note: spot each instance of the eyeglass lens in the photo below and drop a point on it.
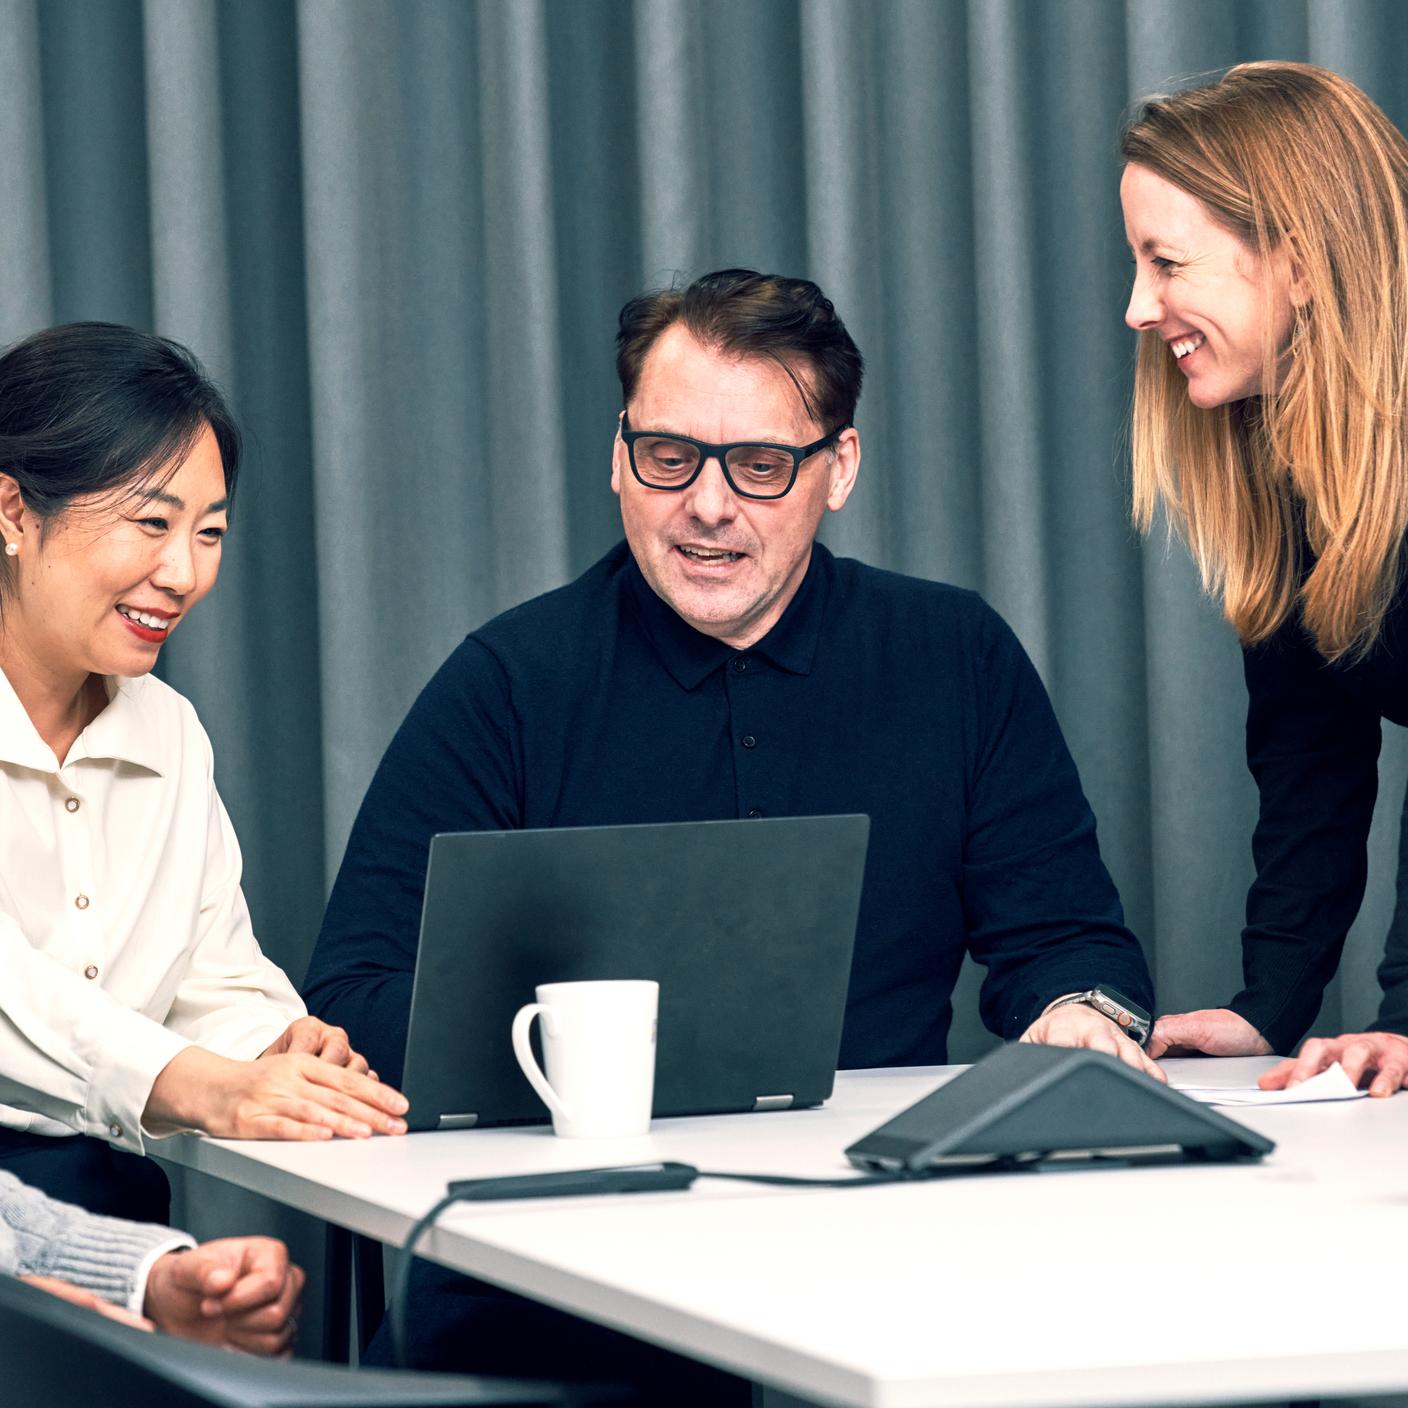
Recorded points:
(755, 469)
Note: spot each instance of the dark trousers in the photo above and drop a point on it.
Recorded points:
(90, 1173)
(458, 1324)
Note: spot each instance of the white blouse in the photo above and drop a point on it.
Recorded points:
(124, 936)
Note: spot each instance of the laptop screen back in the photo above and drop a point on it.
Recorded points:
(748, 927)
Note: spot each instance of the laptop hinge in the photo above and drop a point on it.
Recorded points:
(773, 1102)
(458, 1121)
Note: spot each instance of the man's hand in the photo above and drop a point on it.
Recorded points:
(1382, 1055)
(288, 1096)
(90, 1300)
(1213, 1031)
(318, 1039)
(239, 1292)
(1077, 1024)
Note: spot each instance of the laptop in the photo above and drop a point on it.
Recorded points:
(747, 926)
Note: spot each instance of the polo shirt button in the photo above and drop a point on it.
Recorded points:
(81, 902)
(754, 813)
(91, 971)
(71, 805)
(739, 665)
(115, 1130)
(748, 741)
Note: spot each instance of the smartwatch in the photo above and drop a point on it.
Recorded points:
(1128, 1016)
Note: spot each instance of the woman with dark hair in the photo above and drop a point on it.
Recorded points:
(135, 1000)
(1267, 215)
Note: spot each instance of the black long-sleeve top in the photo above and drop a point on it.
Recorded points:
(1313, 736)
(875, 693)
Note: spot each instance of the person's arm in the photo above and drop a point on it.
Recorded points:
(256, 1066)
(1312, 748)
(1042, 912)
(107, 1256)
(239, 1292)
(453, 766)
(72, 1052)
(230, 999)
(1393, 971)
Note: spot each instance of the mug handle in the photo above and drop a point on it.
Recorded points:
(523, 1049)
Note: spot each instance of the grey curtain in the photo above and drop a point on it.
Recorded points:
(399, 233)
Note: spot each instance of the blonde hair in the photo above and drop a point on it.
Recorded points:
(1277, 150)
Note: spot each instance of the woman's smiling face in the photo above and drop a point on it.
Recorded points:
(1202, 290)
(99, 589)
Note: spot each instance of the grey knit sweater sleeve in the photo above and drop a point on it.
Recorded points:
(40, 1236)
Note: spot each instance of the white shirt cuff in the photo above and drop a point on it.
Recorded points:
(178, 1241)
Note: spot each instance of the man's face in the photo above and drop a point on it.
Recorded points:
(727, 565)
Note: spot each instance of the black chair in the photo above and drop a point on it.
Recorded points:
(57, 1355)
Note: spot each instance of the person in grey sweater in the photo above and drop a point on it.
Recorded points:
(240, 1292)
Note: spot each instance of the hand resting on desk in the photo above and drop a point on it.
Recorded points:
(1213, 1031)
(1075, 1024)
(1380, 1055)
(320, 1039)
(285, 1094)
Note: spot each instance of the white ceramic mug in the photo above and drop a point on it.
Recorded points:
(598, 1043)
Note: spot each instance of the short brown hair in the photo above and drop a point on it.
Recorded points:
(746, 314)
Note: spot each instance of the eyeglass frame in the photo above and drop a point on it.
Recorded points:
(709, 452)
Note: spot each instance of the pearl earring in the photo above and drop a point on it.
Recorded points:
(12, 549)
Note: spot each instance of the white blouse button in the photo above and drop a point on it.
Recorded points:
(72, 804)
(115, 1130)
(81, 902)
(91, 971)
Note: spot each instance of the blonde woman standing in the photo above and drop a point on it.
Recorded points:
(1268, 217)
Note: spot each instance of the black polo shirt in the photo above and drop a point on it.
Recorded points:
(904, 699)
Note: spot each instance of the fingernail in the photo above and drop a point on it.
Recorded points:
(395, 1126)
(362, 1131)
(400, 1104)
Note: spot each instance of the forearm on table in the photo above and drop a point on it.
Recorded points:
(106, 1255)
(88, 1068)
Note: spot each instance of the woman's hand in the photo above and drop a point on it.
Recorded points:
(1211, 1031)
(89, 1300)
(237, 1292)
(318, 1039)
(1380, 1055)
(288, 1096)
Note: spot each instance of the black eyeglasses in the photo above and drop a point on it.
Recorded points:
(754, 469)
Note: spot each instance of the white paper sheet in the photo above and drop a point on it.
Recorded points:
(1330, 1084)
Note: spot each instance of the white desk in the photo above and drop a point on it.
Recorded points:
(1127, 1286)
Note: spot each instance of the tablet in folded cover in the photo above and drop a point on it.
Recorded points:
(747, 925)
(1025, 1102)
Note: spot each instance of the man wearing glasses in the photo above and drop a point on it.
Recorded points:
(722, 663)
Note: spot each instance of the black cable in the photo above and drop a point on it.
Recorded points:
(998, 1163)
(399, 1286)
(397, 1311)
(783, 1180)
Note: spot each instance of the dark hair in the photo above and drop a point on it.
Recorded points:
(89, 408)
(747, 314)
